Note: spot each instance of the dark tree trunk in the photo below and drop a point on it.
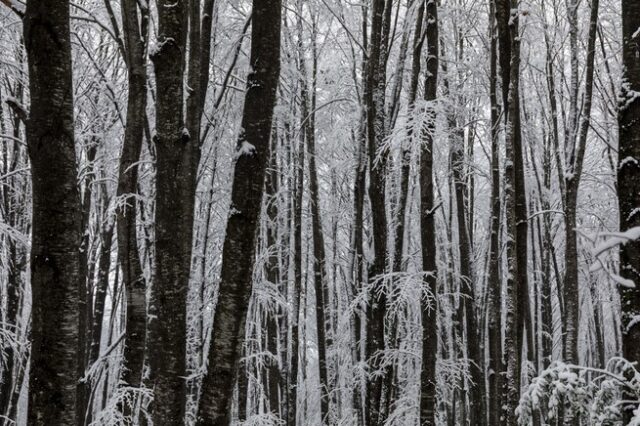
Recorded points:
(246, 199)
(135, 38)
(507, 14)
(427, 226)
(56, 235)
(177, 156)
(358, 271)
(629, 181)
(104, 266)
(572, 184)
(298, 183)
(87, 265)
(308, 100)
(494, 317)
(12, 213)
(376, 308)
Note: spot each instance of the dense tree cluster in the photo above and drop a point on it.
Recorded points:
(319, 212)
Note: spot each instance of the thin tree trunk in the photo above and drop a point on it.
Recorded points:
(572, 184)
(376, 308)
(135, 39)
(104, 266)
(298, 182)
(429, 306)
(494, 318)
(273, 277)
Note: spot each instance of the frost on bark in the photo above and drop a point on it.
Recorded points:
(56, 226)
(629, 180)
(239, 248)
(429, 307)
(494, 290)
(512, 329)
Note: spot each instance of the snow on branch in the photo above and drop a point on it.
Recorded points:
(17, 7)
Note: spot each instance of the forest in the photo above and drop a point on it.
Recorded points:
(319, 212)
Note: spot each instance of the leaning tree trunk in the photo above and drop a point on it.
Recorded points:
(427, 227)
(56, 232)
(629, 181)
(239, 248)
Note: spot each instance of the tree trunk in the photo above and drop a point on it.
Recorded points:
(298, 183)
(246, 199)
(494, 318)
(135, 38)
(320, 280)
(512, 329)
(629, 182)
(273, 277)
(176, 162)
(56, 232)
(376, 308)
(429, 306)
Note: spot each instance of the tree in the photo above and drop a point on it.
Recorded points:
(177, 144)
(576, 145)
(494, 319)
(56, 221)
(246, 199)
(512, 329)
(427, 226)
(374, 89)
(629, 181)
(135, 41)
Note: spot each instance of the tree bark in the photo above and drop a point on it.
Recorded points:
(429, 306)
(246, 199)
(56, 232)
(177, 156)
(135, 39)
(376, 308)
(629, 182)
(494, 318)
(512, 329)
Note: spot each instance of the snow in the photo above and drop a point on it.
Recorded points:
(17, 6)
(623, 281)
(634, 321)
(628, 160)
(246, 149)
(617, 238)
(155, 48)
